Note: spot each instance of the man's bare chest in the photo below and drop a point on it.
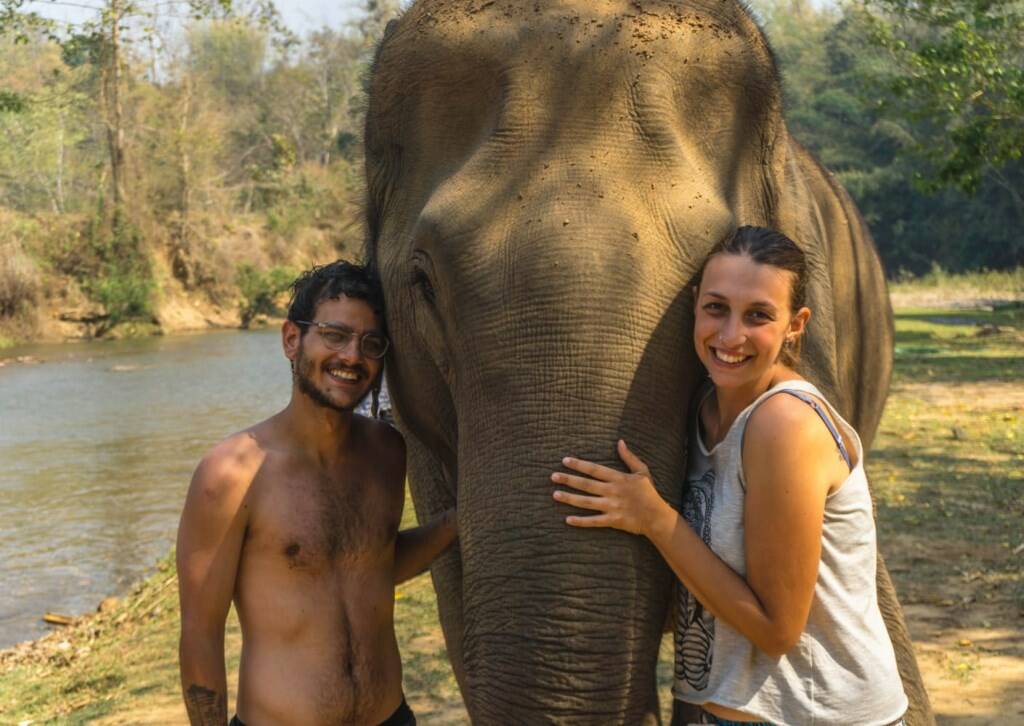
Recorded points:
(312, 522)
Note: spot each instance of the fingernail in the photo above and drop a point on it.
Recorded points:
(567, 460)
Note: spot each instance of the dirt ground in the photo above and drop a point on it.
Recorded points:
(962, 595)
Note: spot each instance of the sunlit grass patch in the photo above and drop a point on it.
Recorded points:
(947, 465)
(957, 286)
(953, 347)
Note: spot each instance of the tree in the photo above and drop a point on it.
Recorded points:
(103, 39)
(958, 67)
(831, 88)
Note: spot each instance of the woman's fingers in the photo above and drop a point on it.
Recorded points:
(630, 459)
(596, 520)
(581, 500)
(597, 471)
(580, 482)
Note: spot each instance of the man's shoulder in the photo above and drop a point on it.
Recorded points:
(381, 435)
(230, 465)
(385, 445)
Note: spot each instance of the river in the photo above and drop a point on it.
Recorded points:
(97, 445)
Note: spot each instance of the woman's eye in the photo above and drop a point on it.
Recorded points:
(760, 316)
(715, 307)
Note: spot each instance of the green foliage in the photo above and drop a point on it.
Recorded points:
(122, 281)
(831, 88)
(11, 102)
(260, 290)
(957, 66)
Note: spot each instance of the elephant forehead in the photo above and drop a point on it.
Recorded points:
(595, 96)
(570, 58)
(519, 28)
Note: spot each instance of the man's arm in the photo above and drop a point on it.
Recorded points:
(209, 544)
(416, 548)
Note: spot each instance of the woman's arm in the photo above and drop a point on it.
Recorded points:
(787, 462)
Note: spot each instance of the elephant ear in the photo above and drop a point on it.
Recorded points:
(848, 346)
(849, 342)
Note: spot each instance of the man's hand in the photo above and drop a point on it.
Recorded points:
(416, 548)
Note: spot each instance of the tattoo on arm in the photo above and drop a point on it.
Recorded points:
(206, 707)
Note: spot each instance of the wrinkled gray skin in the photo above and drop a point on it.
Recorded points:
(545, 178)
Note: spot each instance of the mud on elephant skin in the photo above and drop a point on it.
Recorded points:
(544, 179)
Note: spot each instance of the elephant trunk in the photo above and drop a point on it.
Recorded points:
(564, 622)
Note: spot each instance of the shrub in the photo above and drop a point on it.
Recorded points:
(19, 282)
(123, 279)
(260, 290)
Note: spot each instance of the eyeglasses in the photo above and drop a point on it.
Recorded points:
(372, 345)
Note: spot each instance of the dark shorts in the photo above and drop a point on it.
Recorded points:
(684, 714)
(403, 716)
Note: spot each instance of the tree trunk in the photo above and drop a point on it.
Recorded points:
(114, 112)
(59, 177)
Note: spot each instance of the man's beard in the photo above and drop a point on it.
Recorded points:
(302, 374)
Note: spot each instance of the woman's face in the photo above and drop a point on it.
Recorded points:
(742, 319)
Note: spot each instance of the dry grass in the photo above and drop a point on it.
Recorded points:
(941, 289)
(19, 281)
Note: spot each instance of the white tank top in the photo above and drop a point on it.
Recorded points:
(842, 669)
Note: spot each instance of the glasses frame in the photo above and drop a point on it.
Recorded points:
(320, 326)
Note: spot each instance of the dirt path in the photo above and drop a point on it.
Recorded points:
(949, 474)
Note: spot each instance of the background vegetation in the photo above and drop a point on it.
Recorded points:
(166, 151)
(149, 151)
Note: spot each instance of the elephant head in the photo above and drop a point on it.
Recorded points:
(544, 179)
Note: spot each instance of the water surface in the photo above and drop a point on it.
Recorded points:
(97, 445)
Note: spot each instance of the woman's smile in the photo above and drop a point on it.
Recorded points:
(728, 358)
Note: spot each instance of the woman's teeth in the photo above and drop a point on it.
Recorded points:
(727, 358)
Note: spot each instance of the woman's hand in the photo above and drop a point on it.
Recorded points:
(625, 501)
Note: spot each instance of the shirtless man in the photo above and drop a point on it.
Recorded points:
(296, 520)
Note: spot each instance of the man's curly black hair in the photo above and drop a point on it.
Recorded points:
(329, 282)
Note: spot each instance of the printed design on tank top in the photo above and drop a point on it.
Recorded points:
(695, 627)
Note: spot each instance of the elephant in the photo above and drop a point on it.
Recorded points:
(544, 179)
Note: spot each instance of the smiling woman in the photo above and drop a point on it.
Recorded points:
(778, 616)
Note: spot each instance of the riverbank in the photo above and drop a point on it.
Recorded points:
(947, 469)
(58, 280)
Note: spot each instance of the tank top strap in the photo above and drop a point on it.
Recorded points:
(836, 436)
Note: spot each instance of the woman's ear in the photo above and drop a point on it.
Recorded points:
(798, 323)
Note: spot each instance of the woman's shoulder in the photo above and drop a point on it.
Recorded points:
(785, 427)
(783, 415)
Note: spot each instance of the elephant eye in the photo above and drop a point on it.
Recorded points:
(421, 279)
